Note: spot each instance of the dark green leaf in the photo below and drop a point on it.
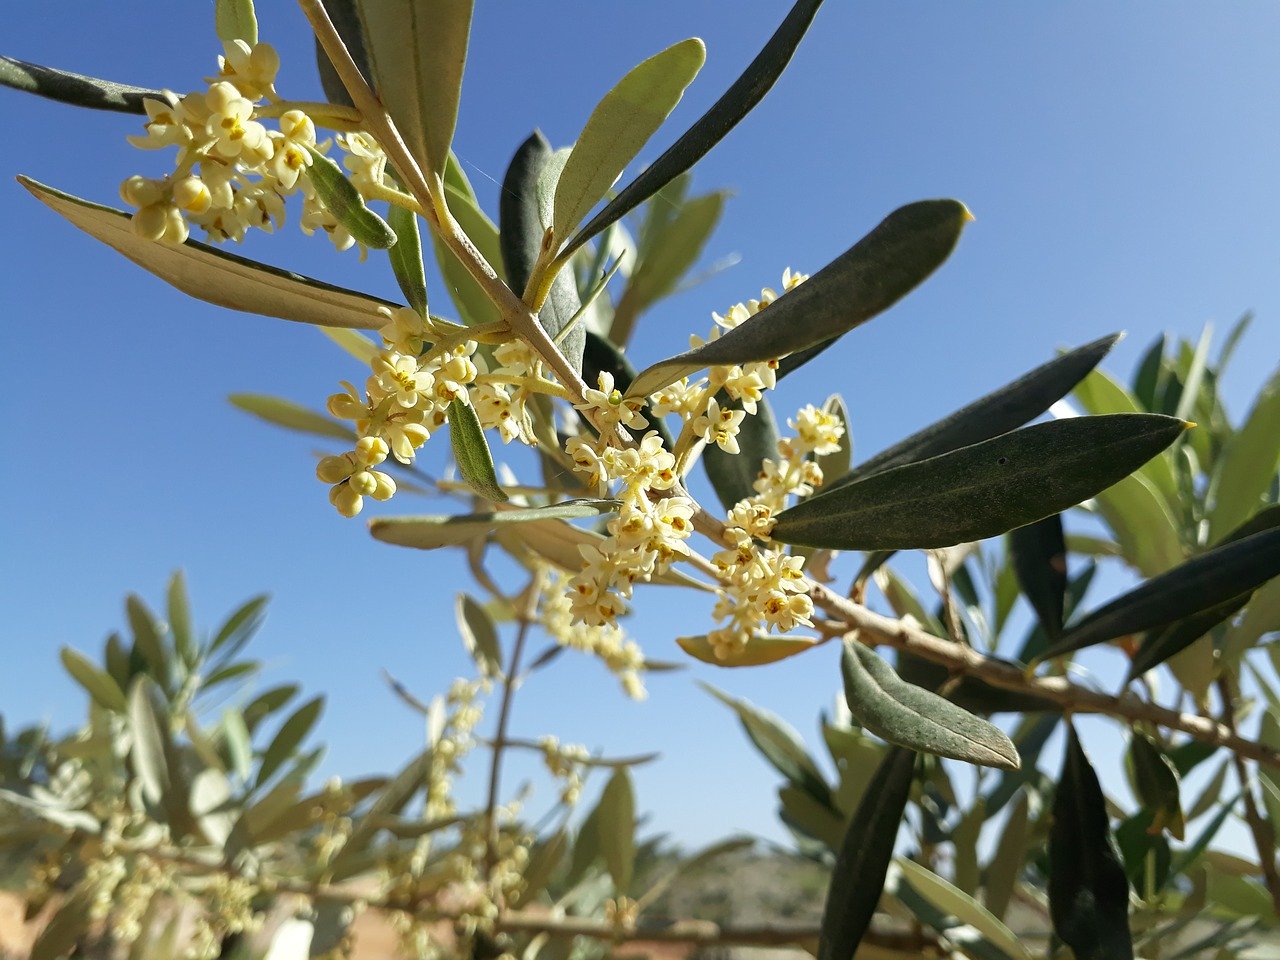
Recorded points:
(291, 416)
(873, 275)
(971, 693)
(1030, 736)
(1146, 382)
(471, 451)
(620, 125)
(1039, 554)
(347, 22)
(147, 638)
(1199, 584)
(287, 740)
(912, 717)
(216, 276)
(104, 690)
(524, 215)
(431, 532)
(1005, 409)
(858, 878)
(1190, 854)
(1088, 890)
(1145, 851)
(1077, 587)
(343, 200)
(733, 476)
(1161, 644)
(406, 257)
(981, 490)
(1156, 783)
(74, 88)
(748, 90)
(267, 703)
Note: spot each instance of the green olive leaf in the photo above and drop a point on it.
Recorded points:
(74, 88)
(406, 257)
(748, 90)
(1198, 585)
(343, 200)
(873, 275)
(433, 532)
(235, 20)
(616, 823)
(863, 859)
(217, 277)
(479, 635)
(291, 416)
(619, 126)
(981, 490)
(99, 684)
(471, 451)
(912, 717)
(1039, 554)
(1088, 890)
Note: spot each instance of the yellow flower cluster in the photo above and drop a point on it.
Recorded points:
(607, 640)
(565, 762)
(648, 533)
(232, 173)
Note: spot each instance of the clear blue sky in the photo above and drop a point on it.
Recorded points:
(1121, 160)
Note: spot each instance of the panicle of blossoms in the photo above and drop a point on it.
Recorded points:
(649, 532)
(232, 173)
(566, 763)
(621, 655)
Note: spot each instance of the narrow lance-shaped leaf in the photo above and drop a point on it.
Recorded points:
(217, 277)
(1198, 584)
(956, 903)
(748, 90)
(873, 275)
(733, 476)
(347, 22)
(473, 304)
(616, 823)
(104, 690)
(525, 209)
(998, 412)
(343, 200)
(1156, 783)
(1088, 890)
(479, 635)
(1007, 859)
(287, 740)
(179, 604)
(406, 257)
(981, 490)
(837, 463)
(291, 416)
(1163, 643)
(619, 126)
(471, 451)
(863, 860)
(235, 20)
(763, 648)
(432, 532)
(1248, 463)
(148, 733)
(1039, 553)
(74, 88)
(418, 49)
(912, 717)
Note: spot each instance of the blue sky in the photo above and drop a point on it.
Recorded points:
(1121, 160)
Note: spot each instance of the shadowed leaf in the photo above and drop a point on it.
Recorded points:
(74, 88)
(733, 476)
(1039, 553)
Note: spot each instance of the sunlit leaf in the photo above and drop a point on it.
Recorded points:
(235, 20)
(954, 901)
(343, 200)
(431, 532)
(761, 649)
(99, 684)
(148, 733)
(1249, 463)
(912, 717)
(291, 416)
(619, 127)
(471, 451)
(1007, 859)
(617, 827)
(218, 277)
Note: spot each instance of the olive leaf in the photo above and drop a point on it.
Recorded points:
(343, 200)
(1199, 584)
(863, 859)
(433, 532)
(1039, 555)
(1007, 859)
(1088, 890)
(479, 635)
(525, 210)
(733, 476)
(288, 738)
(760, 649)
(873, 275)
(912, 717)
(104, 690)
(619, 126)
(148, 734)
(345, 19)
(74, 88)
(417, 50)
(179, 609)
(471, 451)
(473, 304)
(748, 90)
(1156, 783)
(235, 20)
(982, 490)
(956, 903)
(1249, 462)
(292, 416)
(616, 824)
(217, 277)
(998, 412)
(837, 464)
(406, 257)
